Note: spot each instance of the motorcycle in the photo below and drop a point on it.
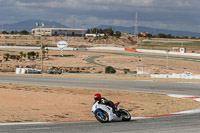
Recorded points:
(104, 113)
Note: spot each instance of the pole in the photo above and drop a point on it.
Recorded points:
(37, 25)
(136, 28)
(41, 51)
(62, 52)
(83, 26)
(167, 64)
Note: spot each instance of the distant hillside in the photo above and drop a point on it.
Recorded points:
(30, 24)
(151, 30)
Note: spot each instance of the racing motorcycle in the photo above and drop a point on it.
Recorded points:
(104, 113)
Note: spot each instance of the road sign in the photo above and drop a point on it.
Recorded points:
(62, 45)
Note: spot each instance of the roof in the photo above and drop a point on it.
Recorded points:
(58, 29)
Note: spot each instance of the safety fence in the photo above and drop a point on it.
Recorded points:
(27, 71)
(165, 52)
(106, 48)
(176, 76)
(35, 48)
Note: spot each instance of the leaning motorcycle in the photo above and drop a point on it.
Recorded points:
(104, 113)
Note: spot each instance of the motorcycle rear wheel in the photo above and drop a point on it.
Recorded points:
(125, 115)
(102, 118)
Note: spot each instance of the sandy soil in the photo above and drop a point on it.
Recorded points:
(20, 103)
(78, 61)
(31, 103)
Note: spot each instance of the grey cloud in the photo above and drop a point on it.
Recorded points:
(120, 12)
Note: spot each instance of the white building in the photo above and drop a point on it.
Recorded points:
(58, 32)
(94, 35)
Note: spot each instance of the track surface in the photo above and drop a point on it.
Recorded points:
(170, 124)
(178, 57)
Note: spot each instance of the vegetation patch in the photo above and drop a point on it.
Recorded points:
(62, 56)
(110, 69)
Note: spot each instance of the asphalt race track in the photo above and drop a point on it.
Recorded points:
(170, 124)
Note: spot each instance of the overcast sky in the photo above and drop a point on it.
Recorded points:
(163, 14)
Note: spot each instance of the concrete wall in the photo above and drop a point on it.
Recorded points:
(108, 48)
(164, 52)
(34, 48)
(176, 76)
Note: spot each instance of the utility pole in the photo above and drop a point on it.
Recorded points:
(83, 26)
(136, 28)
(42, 26)
(167, 65)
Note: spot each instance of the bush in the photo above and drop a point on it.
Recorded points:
(110, 69)
(126, 71)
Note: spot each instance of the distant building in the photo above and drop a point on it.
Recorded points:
(58, 32)
(94, 35)
(144, 34)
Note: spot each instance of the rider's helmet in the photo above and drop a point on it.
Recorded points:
(97, 97)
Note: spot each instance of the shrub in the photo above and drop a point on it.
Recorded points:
(110, 69)
(126, 71)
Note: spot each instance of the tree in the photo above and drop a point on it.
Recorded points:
(14, 57)
(140, 35)
(14, 32)
(161, 35)
(193, 37)
(110, 69)
(169, 36)
(108, 32)
(21, 55)
(31, 55)
(37, 55)
(47, 51)
(185, 37)
(149, 35)
(24, 55)
(24, 32)
(43, 53)
(118, 34)
(18, 57)
(6, 56)
(4, 32)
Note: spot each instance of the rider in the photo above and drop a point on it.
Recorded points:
(102, 100)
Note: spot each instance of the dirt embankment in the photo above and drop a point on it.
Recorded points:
(22, 103)
(51, 41)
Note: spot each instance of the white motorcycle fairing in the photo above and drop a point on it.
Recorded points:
(102, 107)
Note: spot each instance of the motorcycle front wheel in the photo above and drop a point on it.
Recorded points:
(102, 116)
(125, 115)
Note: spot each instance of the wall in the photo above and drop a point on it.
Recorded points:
(164, 52)
(176, 76)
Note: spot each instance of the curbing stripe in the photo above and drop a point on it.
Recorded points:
(162, 115)
(28, 123)
(75, 121)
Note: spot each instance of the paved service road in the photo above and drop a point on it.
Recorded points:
(170, 124)
(130, 85)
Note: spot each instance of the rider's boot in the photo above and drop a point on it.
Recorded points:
(116, 111)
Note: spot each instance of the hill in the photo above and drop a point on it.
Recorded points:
(151, 30)
(30, 24)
